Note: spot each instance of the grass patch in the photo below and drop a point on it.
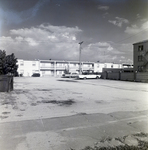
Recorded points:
(121, 147)
(142, 145)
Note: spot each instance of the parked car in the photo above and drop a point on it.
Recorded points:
(70, 75)
(87, 75)
(36, 75)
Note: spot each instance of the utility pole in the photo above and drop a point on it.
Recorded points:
(80, 69)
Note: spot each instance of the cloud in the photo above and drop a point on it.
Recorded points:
(43, 42)
(58, 42)
(105, 14)
(101, 51)
(138, 16)
(101, 7)
(119, 21)
(134, 29)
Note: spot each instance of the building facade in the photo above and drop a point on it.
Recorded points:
(140, 56)
(28, 67)
(57, 67)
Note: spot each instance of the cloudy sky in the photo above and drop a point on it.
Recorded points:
(52, 29)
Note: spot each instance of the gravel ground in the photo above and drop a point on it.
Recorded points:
(74, 114)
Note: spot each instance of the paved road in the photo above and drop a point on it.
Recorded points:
(75, 131)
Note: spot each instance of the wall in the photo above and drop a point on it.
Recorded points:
(113, 75)
(127, 76)
(142, 76)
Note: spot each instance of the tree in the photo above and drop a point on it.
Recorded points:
(8, 64)
(2, 62)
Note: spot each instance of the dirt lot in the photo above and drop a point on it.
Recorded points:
(56, 113)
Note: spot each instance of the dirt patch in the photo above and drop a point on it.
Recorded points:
(68, 80)
(47, 90)
(82, 113)
(5, 113)
(20, 91)
(61, 102)
(100, 101)
(3, 117)
(33, 104)
(44, 90)
(5, 102)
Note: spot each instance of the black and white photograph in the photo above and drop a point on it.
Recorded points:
(73, 74)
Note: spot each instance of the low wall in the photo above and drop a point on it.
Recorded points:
(127, 76)
(142, 77)
(114, 75)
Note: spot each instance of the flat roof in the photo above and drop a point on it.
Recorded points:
(141, 42)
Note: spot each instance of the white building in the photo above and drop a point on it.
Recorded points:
(98, 67)
(28, 67)
(57, 67)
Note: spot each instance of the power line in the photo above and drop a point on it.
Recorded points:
(132, 35)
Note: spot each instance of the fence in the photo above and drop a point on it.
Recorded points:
(126, 76)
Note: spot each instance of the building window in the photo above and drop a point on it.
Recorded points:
(43, 72)
(140, 68)
(140, 58)
(33, 71)
(33, 63)
(21, 71)
(140, 48)
(60, 72)
(60, 65)
(43, 64)
(22, 63)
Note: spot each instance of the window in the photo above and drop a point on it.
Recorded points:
(60, 72)
(33, 71)
(59, 64)
(98, 66)
(22, 63)
(140, 58)
(21, 71)
(140, 68)
(43, 72)
(33, 63)
(140, 48)
(89, 65)
(43, 64)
